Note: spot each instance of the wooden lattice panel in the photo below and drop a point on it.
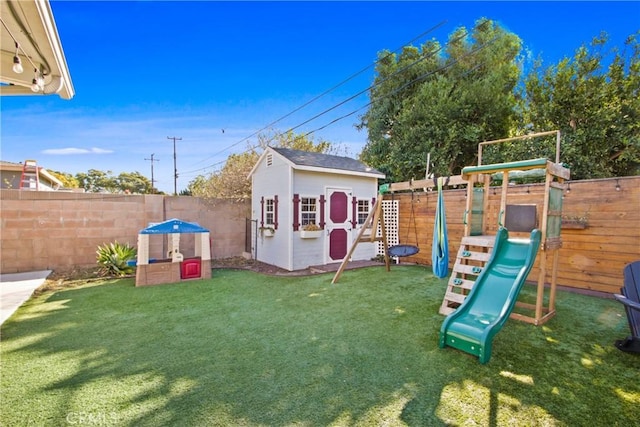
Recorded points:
(390, 210)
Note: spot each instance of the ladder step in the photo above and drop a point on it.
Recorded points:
(458, 283)
(482, 241)
(472, 255)
(466, 269)
(366, 239)
(446, 310)
(453, 297)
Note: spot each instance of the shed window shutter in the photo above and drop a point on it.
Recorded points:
(322, 202)
(354, 212)
(296, 212)
(275, 212)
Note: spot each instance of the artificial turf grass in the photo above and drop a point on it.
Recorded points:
(243, 348)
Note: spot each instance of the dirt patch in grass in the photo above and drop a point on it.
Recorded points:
(242, 263)
(70, 278)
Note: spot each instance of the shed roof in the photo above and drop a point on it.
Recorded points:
(307, 160)
(174, 226)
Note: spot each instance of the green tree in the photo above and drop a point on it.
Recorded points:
(442, 100)
(134, 183)
(231, 181)
(67, 179)
(97, 181)
(294, 141)
(596, 107)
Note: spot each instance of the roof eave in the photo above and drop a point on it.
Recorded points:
(42, 41)
(338, 171)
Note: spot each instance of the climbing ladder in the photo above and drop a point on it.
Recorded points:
(473, 254)
(30, 179)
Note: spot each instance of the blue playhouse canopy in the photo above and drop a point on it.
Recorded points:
(174, 226)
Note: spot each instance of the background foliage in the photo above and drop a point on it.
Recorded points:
(232, 182)
(97, 181)
(444, 100)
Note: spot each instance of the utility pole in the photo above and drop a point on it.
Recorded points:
(175, 167)
(152, 180)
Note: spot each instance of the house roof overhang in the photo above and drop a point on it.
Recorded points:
(30, 24)
(376, 175)
(44, 173)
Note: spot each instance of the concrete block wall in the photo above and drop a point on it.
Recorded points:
(61, 231)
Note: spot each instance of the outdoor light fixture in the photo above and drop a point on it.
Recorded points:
(17, 64)
(618, 188)
(37, 82)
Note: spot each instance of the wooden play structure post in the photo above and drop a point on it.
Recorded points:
(375, 219)
(368, 233)
(475, 235)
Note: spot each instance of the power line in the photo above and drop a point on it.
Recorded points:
(395, 91)
(421, 77)
(175, 167)
(152, 160)
(395, 73)
(326, 92)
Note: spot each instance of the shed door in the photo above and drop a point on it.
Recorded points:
(338, 224)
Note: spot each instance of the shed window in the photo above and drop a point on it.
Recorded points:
(308, 210)
(269, 211)
(363, 210)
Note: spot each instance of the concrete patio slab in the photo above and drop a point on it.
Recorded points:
(16, 288)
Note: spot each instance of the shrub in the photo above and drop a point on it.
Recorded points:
(113, 258)
(311, 227)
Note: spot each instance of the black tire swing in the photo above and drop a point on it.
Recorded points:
(402, 250)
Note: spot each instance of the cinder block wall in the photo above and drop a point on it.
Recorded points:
(61, 231)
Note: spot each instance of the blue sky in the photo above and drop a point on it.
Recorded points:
(144, 71)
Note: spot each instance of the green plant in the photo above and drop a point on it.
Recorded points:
(580, 219)
(311, 227)
(113, 258)
(267, 230)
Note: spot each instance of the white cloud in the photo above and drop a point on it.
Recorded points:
(73, 150)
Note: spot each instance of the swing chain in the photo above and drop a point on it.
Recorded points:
(412, 219)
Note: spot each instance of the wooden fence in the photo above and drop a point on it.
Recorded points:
(591, 258)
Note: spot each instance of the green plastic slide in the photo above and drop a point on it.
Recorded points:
(480, 317)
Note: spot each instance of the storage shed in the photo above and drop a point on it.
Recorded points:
(308, 207)
(174, 267)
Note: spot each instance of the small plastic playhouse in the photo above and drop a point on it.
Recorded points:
(175, 267)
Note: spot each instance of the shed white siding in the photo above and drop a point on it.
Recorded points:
(275, 176)
(314, 184)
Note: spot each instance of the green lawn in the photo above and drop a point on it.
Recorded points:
(247, 349)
